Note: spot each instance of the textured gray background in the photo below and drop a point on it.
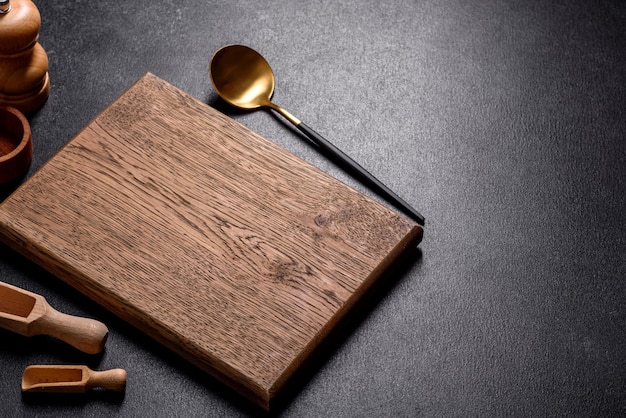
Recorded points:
(503, 122)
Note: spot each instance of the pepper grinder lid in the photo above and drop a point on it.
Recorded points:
(5, 6)
(19, 26)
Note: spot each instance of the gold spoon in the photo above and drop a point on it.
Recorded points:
(243, 78)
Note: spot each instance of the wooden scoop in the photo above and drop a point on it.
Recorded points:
(71, 379)
(29, 314)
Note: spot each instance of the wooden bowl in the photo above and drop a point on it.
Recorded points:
(16, 145)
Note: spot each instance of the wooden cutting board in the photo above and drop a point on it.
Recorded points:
(226, 248)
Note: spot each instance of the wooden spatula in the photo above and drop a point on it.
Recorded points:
(29, 314)
(71, 379)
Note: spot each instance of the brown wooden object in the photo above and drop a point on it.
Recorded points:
(16, 144)
(24, 80)
(221, 245)
(29, 314)
(71, 379)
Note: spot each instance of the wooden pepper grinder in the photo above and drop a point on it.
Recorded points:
(24, 80)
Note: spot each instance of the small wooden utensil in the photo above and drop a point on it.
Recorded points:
(29, 314)
(71, 379)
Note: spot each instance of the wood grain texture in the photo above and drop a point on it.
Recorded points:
(221, 245)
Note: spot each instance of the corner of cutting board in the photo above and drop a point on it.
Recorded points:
(411, 240)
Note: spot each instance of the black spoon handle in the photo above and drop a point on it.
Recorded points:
(362, 173)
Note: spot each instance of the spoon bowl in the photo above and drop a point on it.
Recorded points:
(244, 79)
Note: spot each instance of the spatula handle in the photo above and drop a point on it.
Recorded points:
(114, 379)
(362, 174)
(87, 335)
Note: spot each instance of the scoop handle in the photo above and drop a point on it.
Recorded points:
(362, 174)
(114, 379)
(87, 335)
